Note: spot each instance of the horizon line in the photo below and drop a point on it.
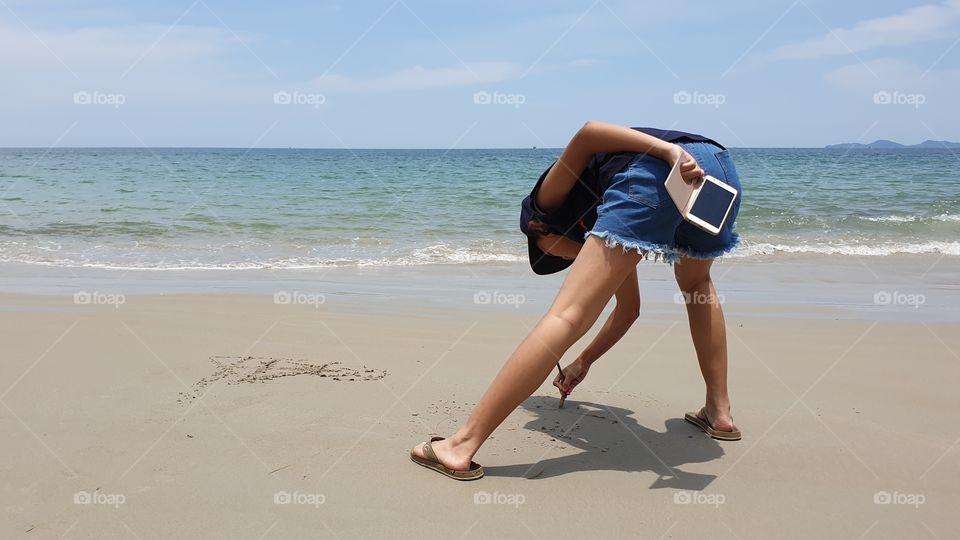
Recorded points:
(905, 147)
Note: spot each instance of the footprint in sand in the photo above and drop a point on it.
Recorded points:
(253, 369)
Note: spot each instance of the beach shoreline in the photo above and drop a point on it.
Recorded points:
(908, 286)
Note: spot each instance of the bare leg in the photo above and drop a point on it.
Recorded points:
(597, 272)
(709, 332)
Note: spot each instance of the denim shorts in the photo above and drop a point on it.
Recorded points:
(637, 212)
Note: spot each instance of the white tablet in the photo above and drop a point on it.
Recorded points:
(706, 203)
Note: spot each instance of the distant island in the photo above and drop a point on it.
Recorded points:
(883, 144)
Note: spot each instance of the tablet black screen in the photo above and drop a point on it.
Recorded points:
(712, 204)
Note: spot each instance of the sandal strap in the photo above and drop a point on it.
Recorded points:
(428, 452)
(703, 416)
(428, 449)
(706, 419)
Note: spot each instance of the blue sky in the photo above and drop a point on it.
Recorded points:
(432, 74)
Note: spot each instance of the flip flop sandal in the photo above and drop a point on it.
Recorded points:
(430, 461)
(704, 424)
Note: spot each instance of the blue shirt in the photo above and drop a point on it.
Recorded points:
(578, 213)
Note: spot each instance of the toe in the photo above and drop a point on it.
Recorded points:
(417, 451)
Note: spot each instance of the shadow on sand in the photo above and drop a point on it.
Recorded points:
(612, 440)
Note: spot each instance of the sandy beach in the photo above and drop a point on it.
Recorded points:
(243, 415)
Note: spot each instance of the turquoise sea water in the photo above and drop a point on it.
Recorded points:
(262, 208)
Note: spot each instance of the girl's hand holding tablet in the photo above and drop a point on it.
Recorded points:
(689, 168)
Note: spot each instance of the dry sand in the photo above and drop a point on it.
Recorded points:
(232, 417)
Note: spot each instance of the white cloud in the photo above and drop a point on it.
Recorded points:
(880, 72)
(108, 52)
(190, 67)
(915, 25)
(893, 74)
(933, 89)
(419, 78)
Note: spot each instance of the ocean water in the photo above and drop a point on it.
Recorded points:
(189, 209)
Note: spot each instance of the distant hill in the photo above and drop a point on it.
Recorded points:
(884, 144)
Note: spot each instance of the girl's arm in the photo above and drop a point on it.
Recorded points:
(624, 314)
(597, 137)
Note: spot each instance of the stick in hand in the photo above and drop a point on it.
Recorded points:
(563, 397)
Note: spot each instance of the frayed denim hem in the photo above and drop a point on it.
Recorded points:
(701, 255)
(645, 249)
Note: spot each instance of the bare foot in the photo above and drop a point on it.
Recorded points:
(449, 454)
(718, 418)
